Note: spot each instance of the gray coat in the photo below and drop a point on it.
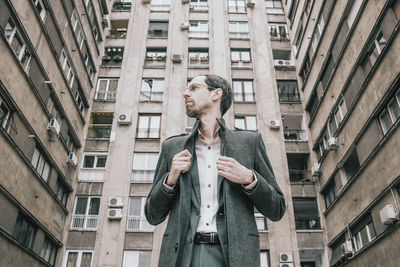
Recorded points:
(236, 225)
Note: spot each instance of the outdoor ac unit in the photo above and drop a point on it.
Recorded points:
(285, 257)
(286, 264)
(274, 124)
(124, 119)
(388, 214)
(72, 159)
(316, 170)
(347, 248)
(176, 58)
(332, 143)
(53, 126)
(250, 3)
(283, 63)
(114, 214)
(104, 21)
(146, 1)
(115, 202)
(184, 26)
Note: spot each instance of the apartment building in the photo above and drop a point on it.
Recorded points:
(348, 73)
(48, 68)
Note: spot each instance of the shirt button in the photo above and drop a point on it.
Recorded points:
(207, 224)
(209, 147)
(209, 166)
(208, 206)
(209, 185)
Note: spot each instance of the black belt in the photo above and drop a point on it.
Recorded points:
(206, 238)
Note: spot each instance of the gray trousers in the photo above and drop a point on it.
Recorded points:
(207, 255)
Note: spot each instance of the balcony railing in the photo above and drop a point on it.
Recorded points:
(299, 175)
(307, 223)
(151, 96)
(91, 174)
(122, 6)
(117, 33)
(244, 97)
(84, 221)
(144, 176)
(148, 133)
(138, 223)
(295, 135)
(198, 6)
(99, 131)
(160, 60)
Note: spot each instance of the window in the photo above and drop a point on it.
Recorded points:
(322, 144)
(198, 5)
(160, 5)
(89, 7)
(261, 221)
(136, 218)
(306, 214)
(86, 212)
(298, 37)
(61, 192)
(198, 29)
(352, 164)
(106, 89)
(24, 231)
(240, 58)
(144, 165)
(136, 258)
(293, 128)
(297, 164)
(353, 12)
(198, 57)
(78, 258)
(236, 6)
(100, 124)
(67, 69)
(17, 43)
(264, 258)
(40, 9)
(158, 29)
(77, 29)
(89, 66)
(390, 114)
(238, 30)
(278, 32)
(152, 90)
(79, 103)
(317, 33)
(330, 193)
(148, 126)
(287, 91)
(306, 67)
(156, 56)
(113, 55)
(49, 251)
(274, 6)
(246, 122)
(313, 104)
(94, 161)
(326, 75)
(118, 29)
(243, 90)
(5, 115)
(362, 232)
(338, 115)
(40, 164)
(122, 5)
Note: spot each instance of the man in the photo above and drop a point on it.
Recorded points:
(209, 182)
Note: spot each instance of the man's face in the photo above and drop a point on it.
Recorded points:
(198, 98)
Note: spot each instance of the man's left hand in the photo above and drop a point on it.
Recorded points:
(234, 171)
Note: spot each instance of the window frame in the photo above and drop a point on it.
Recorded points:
(148, 135)
(79, 258)
(245, 118)
(142, 218)
(243, 91)
(241, 62)
(96, 158)
(107, 88)
(235, 32)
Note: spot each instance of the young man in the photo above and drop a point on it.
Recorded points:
(209, 182)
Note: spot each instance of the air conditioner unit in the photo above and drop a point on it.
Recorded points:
(332, 143)
(146, 1)
(388, 215)
(250, 3)
(286, 264)
(274, 124)
(283, 63)
(347, 248)
(115, 202)
(72, 159)
(104, 21)
(114, 214)
(176, 58)
(124, 118)
(53, 126)
(285, 257)
(184, 26)
(316, 170)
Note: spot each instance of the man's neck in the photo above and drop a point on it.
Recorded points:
(208, 126)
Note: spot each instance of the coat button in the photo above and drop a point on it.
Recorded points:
(176, 247)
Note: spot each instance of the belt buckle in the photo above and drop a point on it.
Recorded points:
(212, 241)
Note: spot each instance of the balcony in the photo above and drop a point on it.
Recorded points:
(295, 135)
(118, 33)
(307, 223)
(300, 175)
(138, 223)
(142, 176)
(84, 222)
(122, 6)
(112, 56)
(198, 6)
(99, 131)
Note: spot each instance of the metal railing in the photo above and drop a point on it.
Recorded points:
(144, 176)
(84, 221)
(122, 6)
(295, 134)
(148, 133)
(117, 33)
(99, 131)
(299, 175)
(151, 96)
(307, 223)
(136, 222)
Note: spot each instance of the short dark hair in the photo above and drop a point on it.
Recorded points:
(216, 81)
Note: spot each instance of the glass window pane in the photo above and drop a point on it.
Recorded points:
(138, 161)
(101, 161)
(86, 259)
(385, 121)
(88, 161)
(251, 123)
(81, 204)
(144, 259)
(131, 258)
(246, 56)
(101, 90)
(394, 110)
(35, 157)
(72, 259)
(143, 122)
(135, 205)
(94, 206)
(239, 123)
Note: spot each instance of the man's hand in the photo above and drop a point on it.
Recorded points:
(180, 163)
(234, 171)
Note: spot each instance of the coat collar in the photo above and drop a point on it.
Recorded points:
(196, 127)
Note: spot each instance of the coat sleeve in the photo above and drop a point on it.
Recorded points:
(266, 195)
(159, 200)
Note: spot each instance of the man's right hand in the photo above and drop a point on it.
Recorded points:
(180, 163)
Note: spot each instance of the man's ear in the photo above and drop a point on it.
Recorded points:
(217, 92)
